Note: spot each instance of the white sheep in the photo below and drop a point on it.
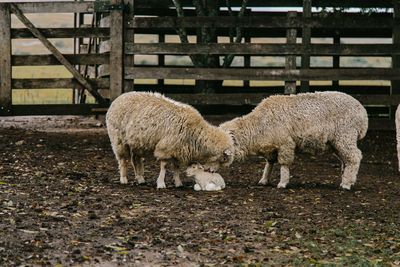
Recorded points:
(205, 181)
(140, 123)
(309, 122)
(398, 133)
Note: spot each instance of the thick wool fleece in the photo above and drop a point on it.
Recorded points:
(142, 123)
(307, 122)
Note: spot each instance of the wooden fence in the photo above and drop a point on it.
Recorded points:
(130, 19)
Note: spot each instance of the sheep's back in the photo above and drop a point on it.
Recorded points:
(142, 119)
(315, 116)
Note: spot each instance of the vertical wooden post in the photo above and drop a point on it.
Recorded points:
(129, 7)
(336, 60)
(395, 85)
(306, 40)
(161, 59)
(117, 68)
(290, 62)
(5, 59)
(247, 61)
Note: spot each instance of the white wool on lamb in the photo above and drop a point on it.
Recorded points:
(141, 123)
(205, 181)
(309, 122)
(398, 133)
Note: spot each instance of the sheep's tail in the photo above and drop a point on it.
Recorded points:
(362, 122)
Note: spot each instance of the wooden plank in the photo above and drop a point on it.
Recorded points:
(328, 22)
(116, 52)
(290, 61)
(56, 53)
(63, 33)
(261, 74)
(55, 109)
(57, 83)
(5, 59)
(278, 32)
(306, 41)
(56, 7)
(272, 3)
(263, 49)
(42, 60)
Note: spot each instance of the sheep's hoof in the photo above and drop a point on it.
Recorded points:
(263, 182)
(123, 180)
(140, 180)
(161, 186)
(345, 186)
(178, 184)
(281, 185)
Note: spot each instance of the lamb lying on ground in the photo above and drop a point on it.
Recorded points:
(309, 122)
(205, 181)
(141, 123)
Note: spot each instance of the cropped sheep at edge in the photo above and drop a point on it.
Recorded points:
(141, 123)
(308, 122)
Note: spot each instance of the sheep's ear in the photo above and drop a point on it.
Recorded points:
(228, 152)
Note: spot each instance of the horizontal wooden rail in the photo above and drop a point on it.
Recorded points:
(87, 6)
(41, 60)
(264, 22)
(55, 7)
(264, 49)
(55, 109)
(63, 33)
(261, 74)
(273, 3)
(57, 83)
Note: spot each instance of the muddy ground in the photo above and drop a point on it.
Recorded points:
(61, 203)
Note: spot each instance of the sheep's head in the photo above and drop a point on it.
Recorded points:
(193, 169)
(213, 163)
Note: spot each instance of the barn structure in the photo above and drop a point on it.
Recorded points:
(227, 55)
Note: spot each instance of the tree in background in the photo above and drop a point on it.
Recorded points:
(206, 35)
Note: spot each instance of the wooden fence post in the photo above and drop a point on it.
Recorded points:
(117, 69)
(306, 40)
(290, 62)
(395, 84)
(336, 60)
(5, 59)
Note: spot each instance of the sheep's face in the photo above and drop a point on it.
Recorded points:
(193, 169)
(215, 162)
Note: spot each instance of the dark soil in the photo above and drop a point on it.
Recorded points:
(61, 203)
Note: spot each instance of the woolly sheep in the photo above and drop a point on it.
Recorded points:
(141, 123)
(206, 181)
(307, 122)
(398, 133)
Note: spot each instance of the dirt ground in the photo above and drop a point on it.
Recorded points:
(61, 204)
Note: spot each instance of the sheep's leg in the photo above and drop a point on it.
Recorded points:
(161, 176)
(177, 179)
(285, 159)
(122, 170)
(137, 163)
(351, 157)
(267, 173)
